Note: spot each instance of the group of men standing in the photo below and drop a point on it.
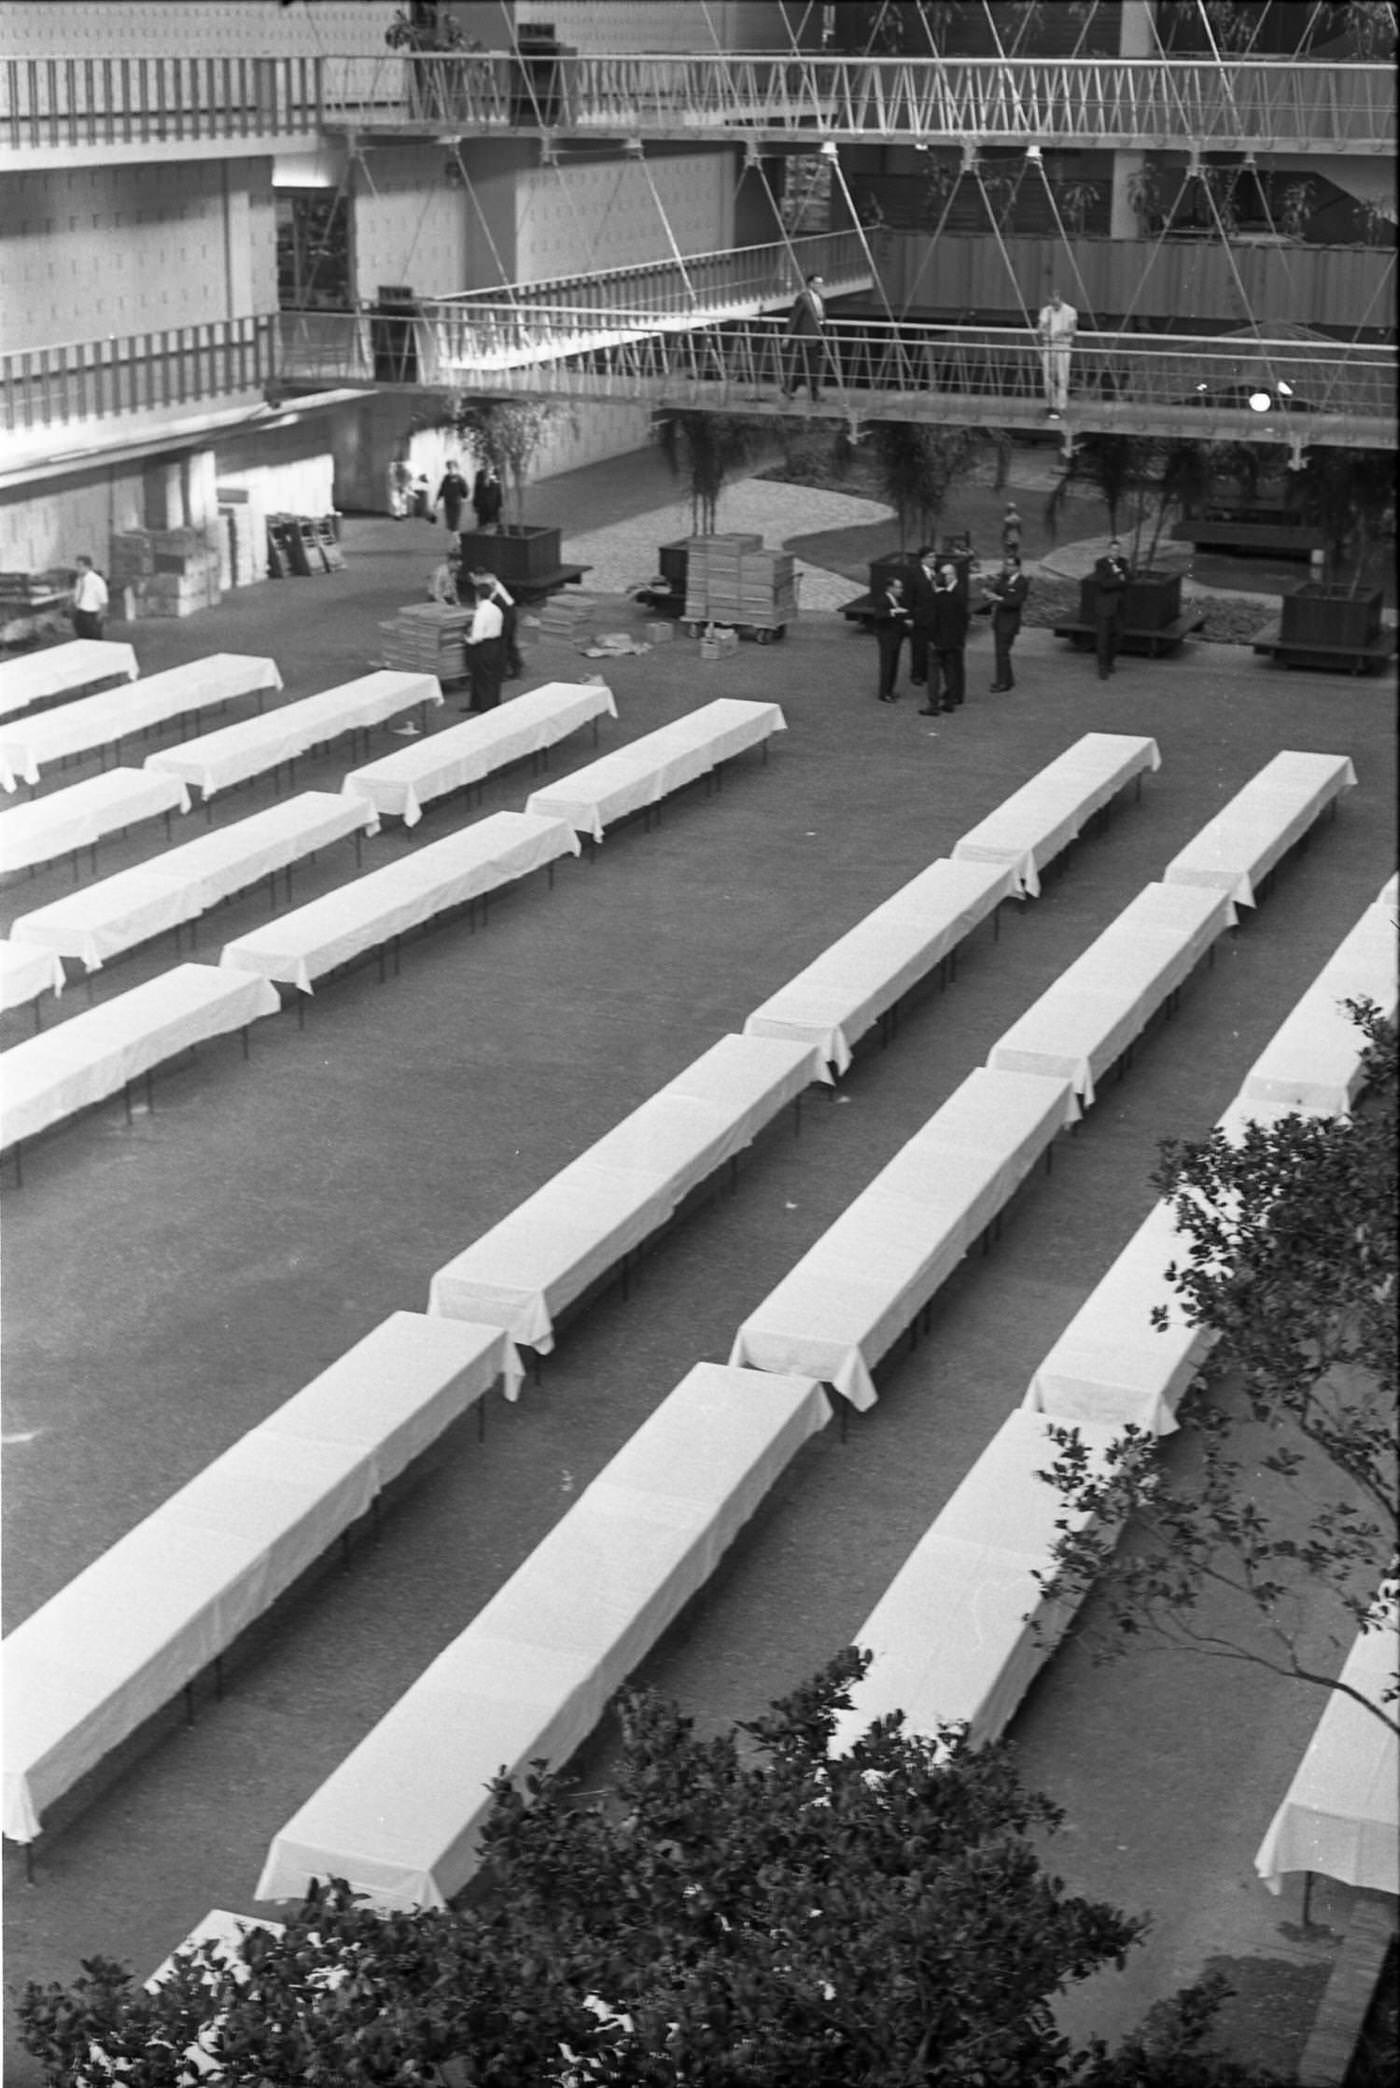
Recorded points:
(932, 611)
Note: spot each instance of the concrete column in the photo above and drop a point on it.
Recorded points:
(162, 482)
(1136, 40)
(198, 476)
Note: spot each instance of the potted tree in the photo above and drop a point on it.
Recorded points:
(509, 434)
(706, 449)
(1138, 480)
(1350, 495)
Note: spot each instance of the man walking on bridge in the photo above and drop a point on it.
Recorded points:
(806, 326)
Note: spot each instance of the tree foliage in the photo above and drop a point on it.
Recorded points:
(916, 468)
(508, 434)
(1141, 481)
(1288, 1504)
(708, 449)
(745, 1912)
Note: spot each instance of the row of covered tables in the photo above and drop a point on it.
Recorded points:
(61, 670)
(30, 744)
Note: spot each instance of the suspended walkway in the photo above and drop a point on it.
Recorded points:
(1290, 392)
(1244, 105)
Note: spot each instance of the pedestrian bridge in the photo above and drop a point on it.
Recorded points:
(1289, 392)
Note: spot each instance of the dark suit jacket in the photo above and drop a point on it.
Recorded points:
(947, 620)
(918, 596)
(805, 319)
(1110, 582)
(1007, 597)
(891, 619)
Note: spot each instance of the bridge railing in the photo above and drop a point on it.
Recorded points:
(711, 282)
(51, 103)
(136, 373)
(1277, 102)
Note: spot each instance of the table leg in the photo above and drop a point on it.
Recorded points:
(379, 956)
(551, 877)
(1307, 1898)
(89, 989)
(243, 1033)
(481, 1419)
(189, 1703)
(1050, 1158)
(797, 1116)
(996, 922)
(38, 1019)
(359, 846)
(150, 1091)
(345, 1551)
(19, 1166)
(301, 1011)
(595, 732)
(29, 1863)
(219, 1677)
(396, 956)
(845, 1406)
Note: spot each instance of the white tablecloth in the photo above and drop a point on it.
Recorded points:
(845, 990)
(59, 669)
(1087, 1019)
(650, 769)
(370, 910)
(254, 745)
(26, 744)
(1339, 1816)
(549, 1249)
(531, 1674)
(403, 782)
(118, 1642)
(952, 1637)
(95, 1054)
(1033, 825)
(25, 973)
(1111, 1366)
(110, 916)
(860, 1285)
(79, 816)
(1313, 1061)
(1239, 847)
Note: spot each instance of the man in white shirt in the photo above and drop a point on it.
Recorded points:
(89, 599)
(487, 646)
(1055, 327)
(487, 582)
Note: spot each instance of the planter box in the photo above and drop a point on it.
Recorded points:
(520, 556)
(1318, 615)
(1151, 601)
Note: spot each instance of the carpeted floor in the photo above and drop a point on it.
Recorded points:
(169, 1283)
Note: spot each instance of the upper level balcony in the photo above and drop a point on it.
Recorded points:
(79, 111)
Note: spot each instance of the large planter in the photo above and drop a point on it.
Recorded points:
(1151, 601)
(1319, 615)
(521, 556)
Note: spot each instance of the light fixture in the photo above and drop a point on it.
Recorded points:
(1284, 388)
(1259, 402)
(1033, 152)
(828, 150)
(1202, 387)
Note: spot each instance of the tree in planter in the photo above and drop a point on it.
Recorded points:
(708, 449)
(1290, 1503)
(749, 1912)
(1118, 468)
(916, 468)
(509, 434)
(1350, 494)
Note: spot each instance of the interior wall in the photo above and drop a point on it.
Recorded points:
(603, 214)
(51, 524)
(409, 223)
(134, 249)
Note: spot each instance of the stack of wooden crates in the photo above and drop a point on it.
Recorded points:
(428, 638)
(733, 579)
(164, 572)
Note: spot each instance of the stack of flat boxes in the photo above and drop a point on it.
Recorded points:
(566, 615)
(734, 580)
(242, 537)
(165, 572)
(428, 638)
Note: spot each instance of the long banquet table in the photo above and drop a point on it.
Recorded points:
(1089, 1016)
(59, 670)
(964, 1628)
(639, 775)
(589, 1216)
(1339, 1815)
(1111, 1366)
(400, 784)
(865, 1280)
(27, 744)
(1040, 819)
(1235, 851)
(842, 993)
(25, 973)
(117, 912)
(97, 1053)
(78, 817)
(255, 745)
(529, 1677)
(385, 904)
(1313, 1061)
(133, 1629)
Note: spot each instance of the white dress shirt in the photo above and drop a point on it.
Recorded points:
(487, 622)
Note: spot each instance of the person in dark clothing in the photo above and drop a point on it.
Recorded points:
(918, 597)
(1007, 595)
(486, 646)
(891, 620)
(487, 498)
(947, 642)
(1110, 586)
(452, 496)
(486, 583)
(805, 328)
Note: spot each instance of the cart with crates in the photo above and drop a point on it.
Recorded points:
(735, 580)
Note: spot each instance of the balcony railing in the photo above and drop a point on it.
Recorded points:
(1313, 393)
(1273, 104)
(730, 281)
(136, 373)
(1276, 104)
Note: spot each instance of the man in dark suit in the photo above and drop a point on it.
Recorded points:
(947, 643)
(891, 620)
(805, 327)
(1110, 585)
(918, 599)
(1007, 594)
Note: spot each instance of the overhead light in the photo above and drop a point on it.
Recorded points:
(1284, 388)
(828, 150)
(1032, 152)
(1259, 402)
(1202, 387)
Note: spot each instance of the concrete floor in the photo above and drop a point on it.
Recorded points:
(169, 1283)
